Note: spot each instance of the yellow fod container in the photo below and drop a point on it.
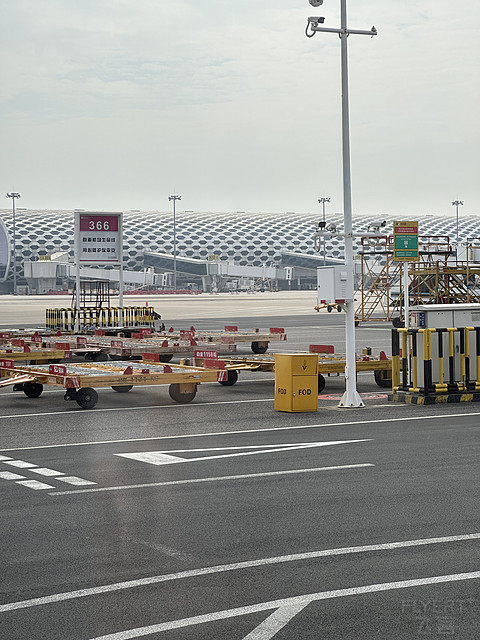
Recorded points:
(296, 382)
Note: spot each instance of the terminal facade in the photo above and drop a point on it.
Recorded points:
(227, 251)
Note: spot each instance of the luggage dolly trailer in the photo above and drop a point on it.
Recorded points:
(130, 348)
(231, 335)
(79, 380)
(328, 365)
(32, 356)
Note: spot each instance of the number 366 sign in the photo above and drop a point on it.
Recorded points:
(98, 237)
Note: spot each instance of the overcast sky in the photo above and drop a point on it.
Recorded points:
(116, 104)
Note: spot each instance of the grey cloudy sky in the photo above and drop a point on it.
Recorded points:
(114, 104)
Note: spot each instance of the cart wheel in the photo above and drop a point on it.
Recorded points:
(124, 389)
(357, 322)
(321, 383)
(231, 380)
(183, 397)
(329, 309)
(87, 398)
(259, 347)
(101, 356)
(339, 308)
(397, 322)
(383, 378)
(165, 357)
(32, 389)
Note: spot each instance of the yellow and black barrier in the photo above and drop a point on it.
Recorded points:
(419, 359)
(63, 319)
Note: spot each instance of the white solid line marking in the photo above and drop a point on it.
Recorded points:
(6, 475)
(21, 464)
(244, 476)
(236, 566)
(44, 471)
(156, 406)
(75, 481)
(276, 621)
(297, 601)
(362, 423)
(35, 484)
(159, 457)
(3, 458)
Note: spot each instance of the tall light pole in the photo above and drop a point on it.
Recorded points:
(14, 195)
(322, 201)
(456, 204)
(351, 398)
(174, 198)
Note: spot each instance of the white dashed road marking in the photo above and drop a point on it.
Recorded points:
(7, 475)
(35, 484)
(43, 471)
(79, 482)
(21, 464)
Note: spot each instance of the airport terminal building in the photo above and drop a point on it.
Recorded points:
(232, 250)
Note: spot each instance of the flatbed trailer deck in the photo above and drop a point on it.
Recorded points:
(80, 380)
(328, 365)
(259, 340)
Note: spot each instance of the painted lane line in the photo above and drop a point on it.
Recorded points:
(6, 475)
(35, 484)
(275, 622)
(156, 406)
(162, 548)
(44, 471)
(235, 566)
(257, 446)
(208, 434)
(21, 464)
(244, 476)
(3, 458)
(151, 456)
(295, 602)
(75, 481)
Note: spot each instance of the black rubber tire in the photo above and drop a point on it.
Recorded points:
(165, 357)
(231, 380)
(329, 309)
(123, 389)
(258, 348)
(100, 356)
(182, 398)
(32, 389)
(321, 383)
(397, 322)
(357, 322)
(86, 398)
(339, 308)
(383, 378)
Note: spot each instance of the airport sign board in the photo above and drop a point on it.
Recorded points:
(99, 237)
(405, 241)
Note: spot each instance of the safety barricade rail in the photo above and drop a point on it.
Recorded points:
(441, 362)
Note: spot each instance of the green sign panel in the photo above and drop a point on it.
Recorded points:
(405, 241)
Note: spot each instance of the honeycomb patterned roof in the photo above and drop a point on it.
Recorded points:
(244, 238)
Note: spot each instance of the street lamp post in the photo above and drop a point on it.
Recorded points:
(456, 204)
(174, 198)
(322, 201)
(351, 397)
(14, 195)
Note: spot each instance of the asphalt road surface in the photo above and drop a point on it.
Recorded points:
(225, 519)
